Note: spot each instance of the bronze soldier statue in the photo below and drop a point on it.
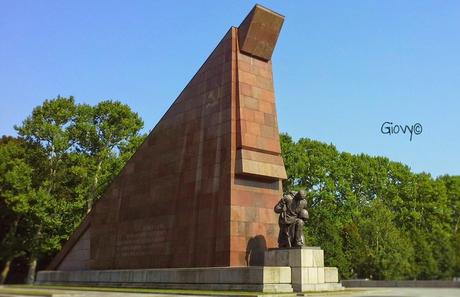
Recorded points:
(293, 214)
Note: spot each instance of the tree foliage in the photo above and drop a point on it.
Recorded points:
(373, 217)
(60, 164)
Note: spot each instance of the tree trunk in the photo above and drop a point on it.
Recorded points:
(9, 236)
(93, 193)
(32, 268)
(5, 270)
(11, 232)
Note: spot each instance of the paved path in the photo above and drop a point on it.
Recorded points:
(361, 292)
(7, 291)
(400, 292)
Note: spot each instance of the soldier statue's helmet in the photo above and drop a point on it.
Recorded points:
(303, 214)
(300, 194)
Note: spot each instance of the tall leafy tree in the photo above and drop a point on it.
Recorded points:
(369, 213)
(82, 148)
(49, 128)
(105, 134)
(452, 184)
(21, 197)
(15, 190)
(385, 251)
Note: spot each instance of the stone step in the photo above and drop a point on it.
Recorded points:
(267, 279)
(295, 257)
(307, 275)
(317, 287)
(331, 275)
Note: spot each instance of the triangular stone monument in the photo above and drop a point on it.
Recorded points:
(193, 207)
(200, 191)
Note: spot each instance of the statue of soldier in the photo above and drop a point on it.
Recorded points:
(293, 214)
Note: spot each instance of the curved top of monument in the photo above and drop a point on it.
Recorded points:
(258, 33)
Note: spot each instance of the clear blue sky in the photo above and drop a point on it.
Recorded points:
(341, 68)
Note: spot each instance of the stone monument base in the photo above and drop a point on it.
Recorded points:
(284, 271)
(253, 278)
(307, 268)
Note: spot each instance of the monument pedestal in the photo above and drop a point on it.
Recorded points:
(284, 271)
(307, 268)
(252, 278)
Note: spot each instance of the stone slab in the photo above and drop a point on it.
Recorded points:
(307, 268)
(263, 279)
(265, 288)
(307, 275)
(295, 257)
(317, 287)
(331, 275)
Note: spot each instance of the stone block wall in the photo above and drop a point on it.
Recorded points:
(200, 190)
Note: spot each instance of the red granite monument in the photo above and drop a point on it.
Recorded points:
(200, 191)
(194, 207)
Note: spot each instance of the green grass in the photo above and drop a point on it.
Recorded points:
(48, 290)
(26, 292)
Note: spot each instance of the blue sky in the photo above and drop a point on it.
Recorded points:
(341, 68)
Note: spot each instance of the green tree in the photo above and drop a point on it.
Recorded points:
(106, 133)
(452, 185)
(19, 196)
(314, 166)
(432, 231)
(83, 148)
(369, 213)
(385, 252)
(49, 127)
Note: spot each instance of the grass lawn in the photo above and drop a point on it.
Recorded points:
(28, 292)
(48, 290)
(43, 288)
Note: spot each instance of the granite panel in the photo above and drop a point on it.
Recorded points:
(187, 198)
(78, 257)
(259, 32)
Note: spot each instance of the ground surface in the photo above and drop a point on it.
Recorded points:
(15, 291)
